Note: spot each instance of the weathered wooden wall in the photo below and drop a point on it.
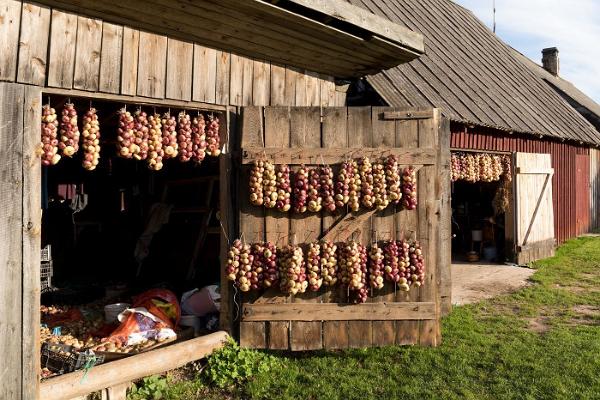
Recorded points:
(594, 189)
(20, 225)
(48, 47)
(417, 312)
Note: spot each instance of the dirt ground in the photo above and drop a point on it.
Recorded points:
(474, 282)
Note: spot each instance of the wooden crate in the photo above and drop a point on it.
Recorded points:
(313, 135)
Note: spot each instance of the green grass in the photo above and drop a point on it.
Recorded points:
(542, 342)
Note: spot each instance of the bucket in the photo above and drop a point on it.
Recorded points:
(112, 311)
(489, 253)
(191, 321)
(476, 235)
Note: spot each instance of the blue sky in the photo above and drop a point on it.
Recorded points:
(531, 25)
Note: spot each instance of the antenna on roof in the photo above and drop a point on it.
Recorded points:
(494, 11)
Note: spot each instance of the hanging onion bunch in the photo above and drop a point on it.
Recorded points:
(327, 188)
(329, 263)
(355, 187)
(259, 266)
(169, 136)
(315, 202)
(390, 261)
(486, 173)
(507, 167)
(271, 272)
(417, 264)
(269, 185)
(497, 167)
(313, 266)
(380, 187)
(409, 188)
(292, 271)
(91, 140)
(376, 267)
(470, 168)
(155, 144)
(198, 139)
(342, 185)
(353, 269)
(284, 188)
(125, 139)
(233, 260)
(403, 265)
(256, 183)
(184, 137)
(69, 132)
(212, 137)
(501, 200)
(140, 133)
(301, 190)
(366, 179)
(455, 167)
(49, 150)
(393, 180)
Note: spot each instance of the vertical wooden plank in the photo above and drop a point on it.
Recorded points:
(384, 135)
(32, 230)
(335, 134)
(222, 78)
(33, 44)
(87, 55)
(445, 232)
(327, 91)
(63, 34)
(10, 22)
(205, 74)
(340, 94)
(110, 59)
(179, 69)
(252, 219)
(277, 226)
(261, 84)
(278, 85)
(290, 86)
(360, 134)
(305, 228)
(11, 250)
(301, 94)
(236, 80)
(407, 332)
(248, 72)
(129, 62)
(313, 89)
(152, 65)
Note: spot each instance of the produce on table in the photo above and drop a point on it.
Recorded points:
(342, 185)
(292, 271)
(409, 188)
(313, 266)
(417, 264)
(69, 131)
(256, 183)
(355, 187)
(393, 180)
(91, 140)
(269, 185)
(390, 261)
(327, 188)
(284, 188)
(140, 133)
(125, 139)
(300, 199)
(198, 139)
(49, 149)
(315, 202)
(376, 267)
(353, 269)
(380, 187)
(184, 137)
(366, 179)
(169, 136)
(329, 263)
(155, 143)
(212, 137)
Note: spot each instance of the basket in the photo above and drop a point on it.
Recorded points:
(46, 269)
(46, 253)
(61, 359)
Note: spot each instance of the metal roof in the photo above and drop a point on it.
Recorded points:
(472, 75)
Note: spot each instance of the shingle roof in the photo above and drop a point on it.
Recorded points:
(472, 75)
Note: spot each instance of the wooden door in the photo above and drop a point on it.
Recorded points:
(582, 196)
(314, 136)
(534, 215)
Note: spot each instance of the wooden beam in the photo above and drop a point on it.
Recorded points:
(544, 244)
(128, 369)
(296, 156)
(345, 227)
(338, 311)
(400, 115)
(537, 208)
(535, 171)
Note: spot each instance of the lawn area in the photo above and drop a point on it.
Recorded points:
(542, 342)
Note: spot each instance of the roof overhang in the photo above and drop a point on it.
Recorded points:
(331, 37)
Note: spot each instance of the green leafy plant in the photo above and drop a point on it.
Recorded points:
(150, 388)
(233, 365)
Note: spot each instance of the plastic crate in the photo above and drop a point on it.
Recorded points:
(46, 254)
(61, 359)
(45, 284)
(46, 269)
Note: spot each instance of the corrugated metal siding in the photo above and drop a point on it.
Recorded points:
(564, 188)
(594, 189)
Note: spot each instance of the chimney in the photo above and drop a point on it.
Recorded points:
(550, 60)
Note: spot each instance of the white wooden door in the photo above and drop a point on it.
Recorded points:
(534, 214)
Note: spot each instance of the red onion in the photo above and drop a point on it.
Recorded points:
(184, 137)
(301, 188)
(49, 149)
(212, 137)
(284, 188)
(409, 188)
(198, 139)
(313, 266)
(140, 132)
(125, 138)
(315, 202)
(69, 132)
(169, 136)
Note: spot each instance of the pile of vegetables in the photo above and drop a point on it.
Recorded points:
(480, 167)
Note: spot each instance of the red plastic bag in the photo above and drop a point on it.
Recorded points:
(145, 300)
